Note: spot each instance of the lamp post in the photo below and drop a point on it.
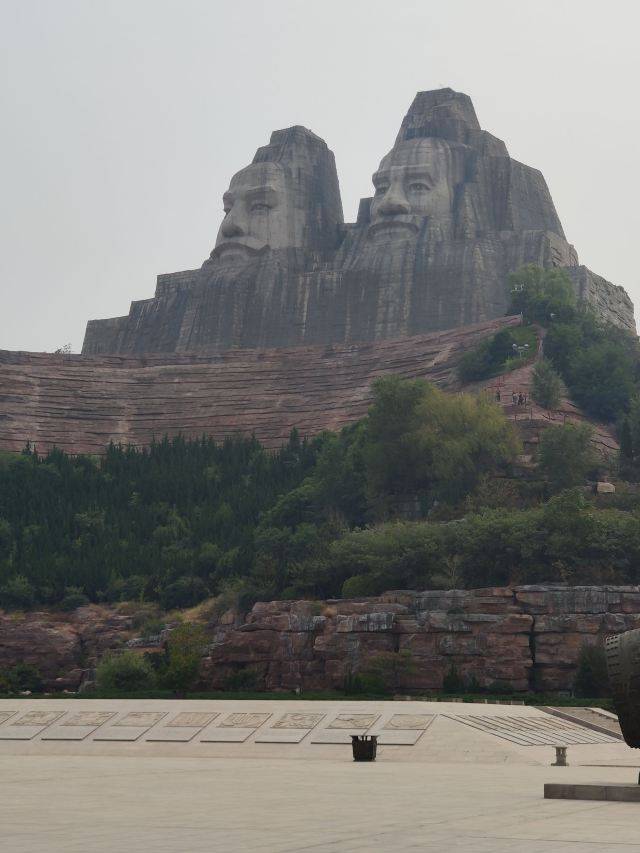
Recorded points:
(520, 350)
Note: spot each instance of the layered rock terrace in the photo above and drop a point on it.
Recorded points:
(81, 403)
(507, 638)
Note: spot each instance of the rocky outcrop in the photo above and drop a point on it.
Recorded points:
(80, 403)
(61, 646)
(518, 638)
(451, 215)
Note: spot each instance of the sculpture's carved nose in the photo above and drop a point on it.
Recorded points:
(231, 227)
(393, 203)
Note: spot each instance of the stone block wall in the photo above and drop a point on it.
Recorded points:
(519, 638)
(523, 637)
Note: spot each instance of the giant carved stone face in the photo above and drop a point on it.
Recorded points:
(258, 214)
(415, 180)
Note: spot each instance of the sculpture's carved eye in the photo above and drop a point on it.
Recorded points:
(418, 187)
(381, 189)
(259, 207)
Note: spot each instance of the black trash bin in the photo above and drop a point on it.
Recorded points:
(364, 747)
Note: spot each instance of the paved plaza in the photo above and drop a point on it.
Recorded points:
(471, 779)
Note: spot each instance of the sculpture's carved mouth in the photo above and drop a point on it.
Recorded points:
(243, 248)
(398, 227)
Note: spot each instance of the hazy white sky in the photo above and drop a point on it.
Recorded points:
(123, 120)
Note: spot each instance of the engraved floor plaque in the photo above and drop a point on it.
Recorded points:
(141, 718)
(244, 721)
(78, 726)
(38, 718)
(181, 728)
(298, 721)
(409, 721)
(353, 721)
(290, 728)
(132, 726)
(29, 725)
(402, 729)
(6, 715)
(192, 719)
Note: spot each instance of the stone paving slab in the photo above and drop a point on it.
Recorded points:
(137, 719)
(281, 735)
(78, 726)
(409, 721)
(613, 792)
(298, 721)
(165, 734)
(61, 733)
(130, 727)
(534, 730)
(126, 733)
(353, 721)
(341, 736)
(226, 735)
(242, 720)
(6, 715)
(192, 719)
(397, 737)
(29, 725)
(147, 802)
(181, 728)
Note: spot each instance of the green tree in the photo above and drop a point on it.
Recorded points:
(185, 647)
(602, 379)
(6, 541)
(546, 385)
(187, 591)
(541, 295)
(627, 450)
(592, 679)
(422, 441)
(629, 435)
(387, 672)
(20, 678)
(566, 455)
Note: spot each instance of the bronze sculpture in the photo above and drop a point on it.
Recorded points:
(623, 665)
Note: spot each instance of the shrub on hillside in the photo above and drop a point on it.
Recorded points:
(126, 589)
(546, 385)
(127, 672)
(20, 678)
(17, 594)
(542, 295)
(74, 597)
(184, 592)
(566, 455)
(497, 354)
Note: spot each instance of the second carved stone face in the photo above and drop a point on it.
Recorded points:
(256, 213)
(414, 181)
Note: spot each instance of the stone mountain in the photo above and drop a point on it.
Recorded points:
(451, 215)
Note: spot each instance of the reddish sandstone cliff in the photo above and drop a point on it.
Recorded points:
(518, 637)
